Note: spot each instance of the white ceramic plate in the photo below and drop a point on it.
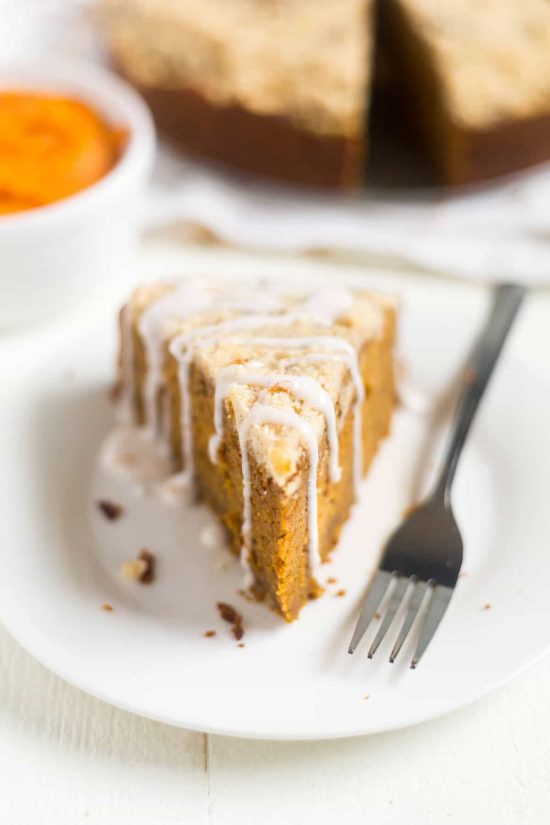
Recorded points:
(61, 559)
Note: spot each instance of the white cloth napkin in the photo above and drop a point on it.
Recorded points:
(497, 232)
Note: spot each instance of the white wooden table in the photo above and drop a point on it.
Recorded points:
(66, 758)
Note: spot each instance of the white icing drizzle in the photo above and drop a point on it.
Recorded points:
(351, 361)
(303, 387)
(154, 325)
(129, 453)
(183, 348)
(330, 343)
(213, 536)
(329, 302)
(168, 311)
(193, 296)
(161, 320)
(175, 490)
(264, 414)
(337, 349)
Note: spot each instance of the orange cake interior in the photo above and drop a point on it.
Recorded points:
(272, 403)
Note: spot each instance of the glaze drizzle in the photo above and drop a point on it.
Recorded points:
(158, 326)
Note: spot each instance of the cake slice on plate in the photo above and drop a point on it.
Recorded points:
(272, 404)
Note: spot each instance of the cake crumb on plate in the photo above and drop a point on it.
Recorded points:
(141, 569)
(110, 510)
(238, 631)
(233, 617)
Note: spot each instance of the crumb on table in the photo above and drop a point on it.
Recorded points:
(487, 606)
(377, 615)
(107, 607)
(241, 644)
(342, 592)
(209, 633)
(332, 580)
(366, 696)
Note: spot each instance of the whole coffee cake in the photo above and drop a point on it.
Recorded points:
(283, 87)
(279, 88)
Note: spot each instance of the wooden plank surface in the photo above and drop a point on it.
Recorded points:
(66, 758)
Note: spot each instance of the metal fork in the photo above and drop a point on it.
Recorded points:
(423, 557)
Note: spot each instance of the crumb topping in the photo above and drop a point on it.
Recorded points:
(305, 59)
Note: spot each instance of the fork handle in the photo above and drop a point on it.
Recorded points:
(506, 303)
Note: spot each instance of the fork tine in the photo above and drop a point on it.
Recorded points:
(413, 607)
(393, 607)
(376, 592)
(436, 610)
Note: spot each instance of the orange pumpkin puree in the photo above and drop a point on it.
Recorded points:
(51, 147)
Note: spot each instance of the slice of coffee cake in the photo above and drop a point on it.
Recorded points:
(272, 404)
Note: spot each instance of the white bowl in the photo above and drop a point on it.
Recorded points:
(76, 250)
